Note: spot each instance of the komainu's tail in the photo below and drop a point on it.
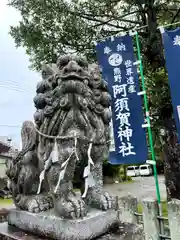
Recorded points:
(28, 137)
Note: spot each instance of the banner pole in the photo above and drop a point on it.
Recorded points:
(148, 122)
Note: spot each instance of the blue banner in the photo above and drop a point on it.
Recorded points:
(171, 41)
(116, 58)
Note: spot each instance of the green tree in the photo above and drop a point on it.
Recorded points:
(51, 27)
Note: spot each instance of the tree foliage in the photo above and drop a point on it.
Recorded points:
(51, 27)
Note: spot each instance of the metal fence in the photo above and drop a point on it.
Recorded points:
(156, 227)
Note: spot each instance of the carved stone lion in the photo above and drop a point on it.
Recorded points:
(71, 129)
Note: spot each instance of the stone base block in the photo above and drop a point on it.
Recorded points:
(125, 231)
(12, 233)
(46, 224)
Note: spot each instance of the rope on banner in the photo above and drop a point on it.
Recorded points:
(169, 25)
(133, 31)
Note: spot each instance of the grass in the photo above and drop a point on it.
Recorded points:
(5, 201)
(164, 208)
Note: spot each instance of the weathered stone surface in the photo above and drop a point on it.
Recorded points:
(151, 224)
(46, 224)
(71, 130)
(12, 233)
(125, 231)
(174, 218)
(127, 206)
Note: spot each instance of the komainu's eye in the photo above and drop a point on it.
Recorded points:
(82, 62)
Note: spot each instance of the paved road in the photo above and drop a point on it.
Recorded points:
(141, 187)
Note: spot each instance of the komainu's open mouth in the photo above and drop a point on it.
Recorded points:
(74, 76)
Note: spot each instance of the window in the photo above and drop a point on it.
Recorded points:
(144, 167)
(130, 168)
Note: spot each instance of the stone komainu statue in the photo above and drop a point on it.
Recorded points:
(71, 129)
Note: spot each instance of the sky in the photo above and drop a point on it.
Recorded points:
(17, 82)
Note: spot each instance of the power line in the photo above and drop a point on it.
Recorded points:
(10, 126)
(11, 87)
(15, 84)
(11, 82)
(16, 87)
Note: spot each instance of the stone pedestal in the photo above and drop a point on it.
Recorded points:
(46, 224)
(124, 231)
(12, 233)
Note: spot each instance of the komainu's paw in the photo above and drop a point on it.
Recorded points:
(70, 207)
(103, 201)
(39, 203)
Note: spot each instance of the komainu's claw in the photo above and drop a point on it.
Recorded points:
(39, 203)
(71, 207)
(78, 205)
(103, 201)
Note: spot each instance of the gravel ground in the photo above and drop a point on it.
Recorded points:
(141, 187)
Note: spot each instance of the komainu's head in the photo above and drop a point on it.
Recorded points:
(73, 98)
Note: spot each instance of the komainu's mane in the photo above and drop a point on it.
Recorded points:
(54, 102)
